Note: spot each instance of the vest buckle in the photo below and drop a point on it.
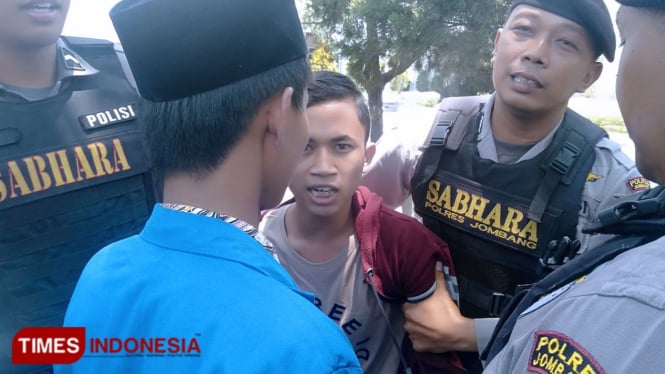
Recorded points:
(440, 133)
(498, 302)
(566, 157)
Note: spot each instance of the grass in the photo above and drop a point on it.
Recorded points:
(613, 124)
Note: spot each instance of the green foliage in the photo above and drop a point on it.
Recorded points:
(429, 103)
(382, 38)
(322, 58)
(613, 124)
(460, 64)
(400, 82)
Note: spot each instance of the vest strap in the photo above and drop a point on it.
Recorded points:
(442, 127)
(452, 120)
(575, 146)
(482, 297)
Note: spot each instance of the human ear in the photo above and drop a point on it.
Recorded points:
(280, 106)
(590, 77)
(370, 150)
(496, 42)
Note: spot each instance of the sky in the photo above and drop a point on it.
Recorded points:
(90, 18)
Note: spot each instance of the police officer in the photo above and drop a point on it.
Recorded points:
(601, 313)
(504, 175)
(73, 175)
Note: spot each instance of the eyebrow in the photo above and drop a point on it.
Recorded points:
(575, 28)
(526, 14)
(341, 138)
(337, 139)
(568, 24)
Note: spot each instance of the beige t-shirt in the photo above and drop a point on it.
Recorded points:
(342, 294)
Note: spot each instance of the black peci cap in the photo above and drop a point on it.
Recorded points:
(590, 14)
(179, 48)
(643, 3)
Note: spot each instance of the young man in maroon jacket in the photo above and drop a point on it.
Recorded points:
(361, 259)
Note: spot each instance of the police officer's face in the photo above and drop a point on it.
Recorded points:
(331, 165)
(540, 60)
(31, 23)
(641, 86)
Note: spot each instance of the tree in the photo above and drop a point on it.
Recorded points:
(382, 38)
(423, 82)
(467, 71)
(322, 58)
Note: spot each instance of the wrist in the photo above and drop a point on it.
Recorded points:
(466, 341)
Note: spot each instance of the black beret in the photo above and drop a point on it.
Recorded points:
(179, 48)
(590, 14)
(644, 3)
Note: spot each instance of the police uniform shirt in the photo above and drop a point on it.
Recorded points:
(570, 331)
(68, 64)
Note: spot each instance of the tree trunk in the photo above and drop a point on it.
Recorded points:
(375, 101)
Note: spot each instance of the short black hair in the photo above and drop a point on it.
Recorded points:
(331, 86)
(194, 134)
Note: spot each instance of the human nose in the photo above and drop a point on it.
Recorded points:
(322, 163)
(537, 51)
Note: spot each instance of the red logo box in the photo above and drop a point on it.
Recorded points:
(48, 345)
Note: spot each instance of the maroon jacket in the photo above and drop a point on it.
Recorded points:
(402, 255)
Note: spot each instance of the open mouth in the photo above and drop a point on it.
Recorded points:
(524, 81)
(322, 191)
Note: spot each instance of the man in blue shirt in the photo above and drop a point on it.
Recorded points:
(224, 83)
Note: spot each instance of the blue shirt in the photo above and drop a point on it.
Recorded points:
(196, 278)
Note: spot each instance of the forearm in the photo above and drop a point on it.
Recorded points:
(436, 324)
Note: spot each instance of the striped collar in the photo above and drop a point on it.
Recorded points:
(240, 224)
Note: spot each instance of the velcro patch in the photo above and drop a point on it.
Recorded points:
(638, 184)
(553, 352)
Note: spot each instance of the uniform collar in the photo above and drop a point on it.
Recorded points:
(71, 64)
(68, 64)
(486, 146)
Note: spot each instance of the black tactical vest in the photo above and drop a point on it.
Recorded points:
(73, 178)
(496, 218)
